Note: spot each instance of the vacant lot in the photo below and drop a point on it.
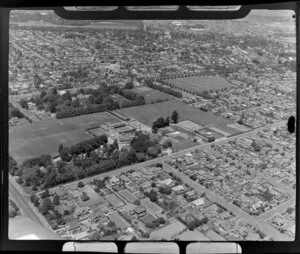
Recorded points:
(119, 220)
(128, 195)
(114, 200)
(152, 207)
(147, 114)
(44, 137)
(148, 219)
(168, 232)
(199, 83)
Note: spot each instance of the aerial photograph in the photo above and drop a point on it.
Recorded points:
(152, 130)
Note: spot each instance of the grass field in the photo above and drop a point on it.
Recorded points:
(155, 209)
(127, 195)
(114, 200)
(147, 114)
(97, 131)
(149, 218)
(152, 95)
(119, 220)
(44, 137)
(200, 83)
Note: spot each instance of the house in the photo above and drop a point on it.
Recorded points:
(198, 202)
(73, 226)
(95, 216)
(190, 195)
(168, 182)
(114, 181)
(140, 211)
(178, 189)
(81, 211)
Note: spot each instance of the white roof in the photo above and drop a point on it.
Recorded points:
(167, 181)
(178, 188)
(198, 202)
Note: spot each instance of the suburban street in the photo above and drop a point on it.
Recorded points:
(259, 222)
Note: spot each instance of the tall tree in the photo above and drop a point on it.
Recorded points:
(175, 116)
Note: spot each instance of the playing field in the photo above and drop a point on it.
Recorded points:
(147, 114)
(199, 83)
(44, 137)
(152, 96)
(128, 195)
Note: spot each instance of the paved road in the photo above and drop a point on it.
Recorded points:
(23, 202)
(23, 110)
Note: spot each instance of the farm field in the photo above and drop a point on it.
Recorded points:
(199, 83)
(29, 141)
(147, 114)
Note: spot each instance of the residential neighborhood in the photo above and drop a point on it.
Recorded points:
(158, 130)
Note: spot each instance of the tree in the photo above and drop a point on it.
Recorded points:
(167, 121)
(46, 206)
(56, 200)
(45, 194)
(84, 196)
(174, 116)
(43, 94)
(152, 151)
(129, 85)
(34, 200)
(165, 190)
(52, 108)
(115, 145)
(80, 184)
(140, 157)
(15, 112)
(95, 236)
(23, 103)
(136, 202)
(60, 148)
(167, 144)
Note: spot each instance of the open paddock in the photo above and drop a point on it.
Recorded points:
(44, 137)
(199, 83)
(148, 113)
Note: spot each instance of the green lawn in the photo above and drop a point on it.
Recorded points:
(147, 114)
(200, 83)
(45, 136)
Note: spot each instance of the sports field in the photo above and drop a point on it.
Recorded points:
(44, 137)
(199, 83)
(147, 114)
(151, 95)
